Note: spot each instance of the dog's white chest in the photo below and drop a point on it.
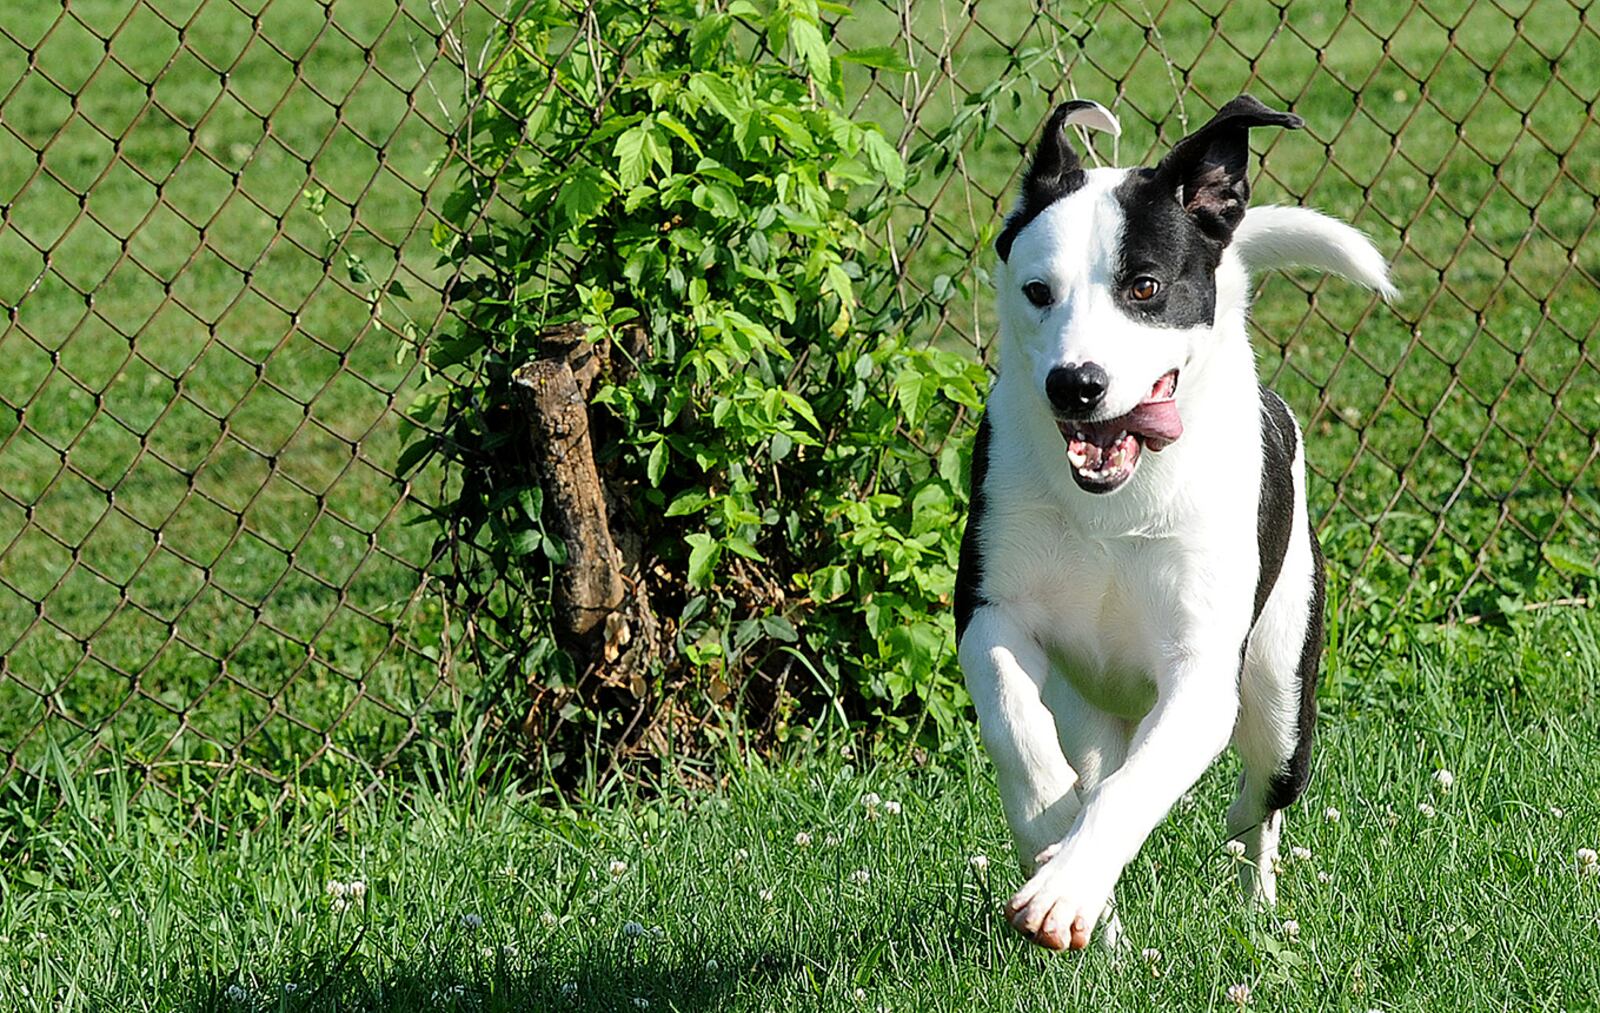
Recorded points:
(1086, 605)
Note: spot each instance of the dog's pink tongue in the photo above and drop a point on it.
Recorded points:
(1156, 421)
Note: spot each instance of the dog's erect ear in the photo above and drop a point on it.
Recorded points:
(1209, 169)
(1056, 170)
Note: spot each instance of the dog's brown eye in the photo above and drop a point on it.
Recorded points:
(1143, 289)
(1038, 293)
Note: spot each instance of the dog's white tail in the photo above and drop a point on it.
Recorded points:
(1274, 237)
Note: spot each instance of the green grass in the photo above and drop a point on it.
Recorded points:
(116, 906)
(183, 354)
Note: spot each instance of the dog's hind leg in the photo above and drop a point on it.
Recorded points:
(1277, 713)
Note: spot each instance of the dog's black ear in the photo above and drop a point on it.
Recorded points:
(1208, 170)
(1056, 170)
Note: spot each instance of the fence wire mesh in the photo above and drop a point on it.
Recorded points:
(214, 246)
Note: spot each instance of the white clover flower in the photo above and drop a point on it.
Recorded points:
(831, 841)
(471, 920)
(891, 808)
(549, 919)
(509, 951)
(979, 863)
(1239, 994)
(338, 904)
(742, 855)
(712, 967)
(1291, 928)
(861, 994)
(336, 889)
(861, 876)
(1300, 854)
(237, 993)
(1588, 856)
(1557, 811)
(1444, 779)
(1427, 810)
(357, 890)
(871, 800)
(633, 930)
(617, 867)
(802, 840)
(1235, 849)
(766, 895)
(640, 1002)
(1324, 877)
(1331, 814)
(1150, 955)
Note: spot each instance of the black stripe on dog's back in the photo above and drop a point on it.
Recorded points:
(969, 574)
(1275, 513)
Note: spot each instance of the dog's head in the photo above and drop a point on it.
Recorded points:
(1107, 281)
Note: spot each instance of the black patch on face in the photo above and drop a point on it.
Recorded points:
(969, 572)
(1181, 214)
(1054, 173)
(1160, 240)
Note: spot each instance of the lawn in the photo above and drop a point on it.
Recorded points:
(208, 581)
(698, 896)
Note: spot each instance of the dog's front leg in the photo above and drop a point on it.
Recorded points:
(1173, 745)
(1005, 672)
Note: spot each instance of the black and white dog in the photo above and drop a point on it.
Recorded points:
(1139, 581)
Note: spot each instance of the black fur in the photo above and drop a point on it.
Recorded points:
(1274, 528)
(1208, 169)
(1275, 514)
(1055, 172)
(969, 574)
(1160, 239)
(1292, 780)
(1181, 214)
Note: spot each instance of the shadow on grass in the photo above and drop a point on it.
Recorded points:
(622, 979)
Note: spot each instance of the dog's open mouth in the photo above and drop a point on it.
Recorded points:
(1103, 454)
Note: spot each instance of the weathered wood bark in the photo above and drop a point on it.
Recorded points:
(589, 586)
(605, 620)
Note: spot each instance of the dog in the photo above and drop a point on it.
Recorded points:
(1139, 581)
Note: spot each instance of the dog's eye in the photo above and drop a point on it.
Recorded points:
(1143, 289)
(1038, 293)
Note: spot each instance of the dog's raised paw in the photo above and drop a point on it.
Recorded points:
(1059, 906)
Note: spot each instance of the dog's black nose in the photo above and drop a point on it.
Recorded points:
(1076, 391)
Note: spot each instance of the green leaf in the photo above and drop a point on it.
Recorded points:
(914, 392)
(690, 501)
(554, 549)
(882, 156)
(720, 96)
(810, 46)
(744, 548)
(718, 199)
(633, 161)
(829, 583)
(1569, 560)
(878, 57)
(583, 195)
(703, 555)
(656, 466)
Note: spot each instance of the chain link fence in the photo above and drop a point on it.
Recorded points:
(215, 222)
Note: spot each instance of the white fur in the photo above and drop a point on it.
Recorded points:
(1104, 661)
(1278, 237)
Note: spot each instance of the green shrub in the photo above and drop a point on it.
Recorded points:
(793, 459)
